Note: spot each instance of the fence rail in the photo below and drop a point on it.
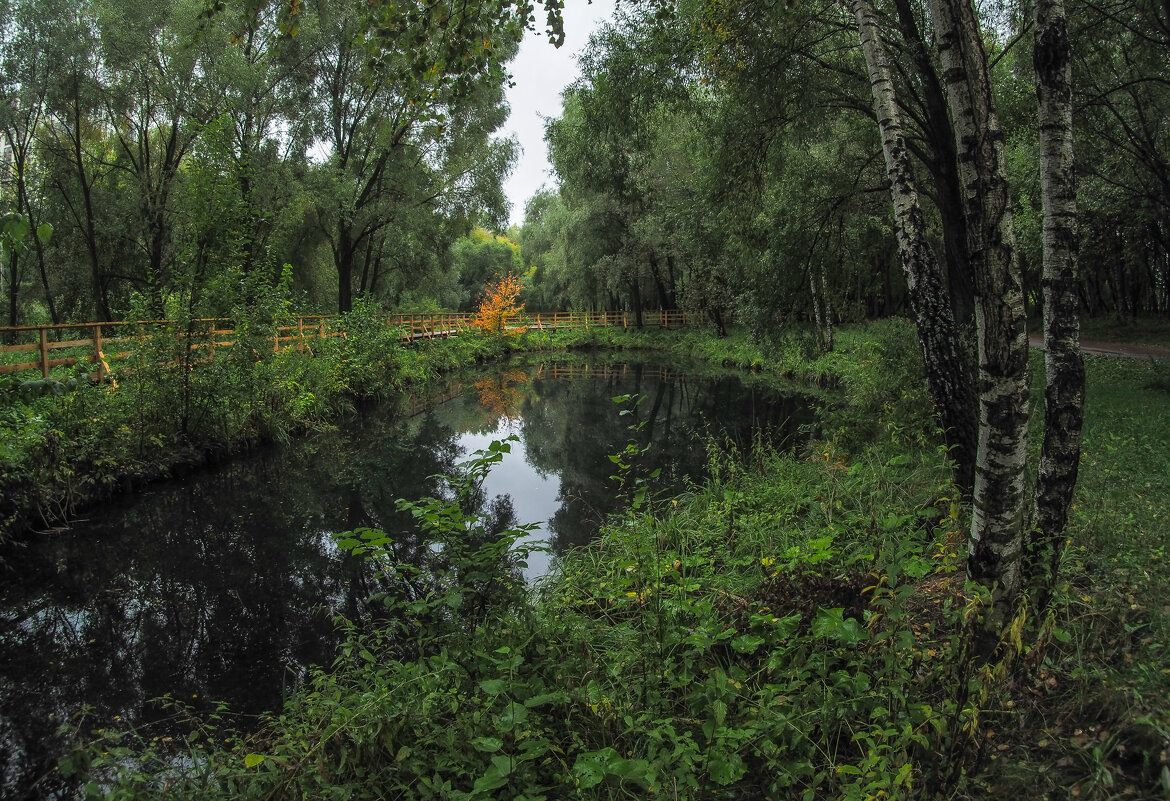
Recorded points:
(101, 343)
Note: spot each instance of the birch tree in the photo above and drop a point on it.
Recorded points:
(1002, 520)
(999, 514)
(946, 373)
(1064, 391)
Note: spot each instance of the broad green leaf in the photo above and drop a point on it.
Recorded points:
(747, 643)
(850, 632)
(490, 780)
(493, 686)
(724, 769)
(512, 717)
(588, 773)
(827, 621)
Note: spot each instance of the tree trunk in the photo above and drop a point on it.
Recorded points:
(344, 268)
(101, 306)
(942, 165)
(44, 270)
(664, 300)
(13, 289)
(828, 307)
(999, 517)
(818, 311)
(720, 327)
(1064, 391)
(946, 374)
(19, 147)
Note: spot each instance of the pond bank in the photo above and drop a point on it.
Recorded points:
(794, 628)
(60, 453)
(222, 585)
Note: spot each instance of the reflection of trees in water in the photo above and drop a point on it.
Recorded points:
(502, 394)
(577, 424)
(179, 592)
(223, 584)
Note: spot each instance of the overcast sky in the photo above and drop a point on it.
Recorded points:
(541, 72)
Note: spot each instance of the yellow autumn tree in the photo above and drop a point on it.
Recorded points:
(498, 304)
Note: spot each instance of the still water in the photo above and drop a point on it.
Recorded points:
(223, 585)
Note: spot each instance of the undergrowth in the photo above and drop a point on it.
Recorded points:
(795, 628)
(67, 443)
(761, 635)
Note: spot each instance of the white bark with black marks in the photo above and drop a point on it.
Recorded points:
(1000, 514)
(1064, 392)
(946, 373)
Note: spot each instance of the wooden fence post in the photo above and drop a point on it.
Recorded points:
(44, 354)
(98, 356)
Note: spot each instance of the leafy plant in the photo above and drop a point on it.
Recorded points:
(499, 303)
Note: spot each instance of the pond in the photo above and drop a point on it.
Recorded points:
(224, 584)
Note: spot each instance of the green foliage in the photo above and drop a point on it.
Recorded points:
(370, 352)
(479, 258)
(762, 634)
(674, 658)
(796, 628)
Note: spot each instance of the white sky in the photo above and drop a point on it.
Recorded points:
(541, 72)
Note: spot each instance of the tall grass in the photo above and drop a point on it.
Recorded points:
(794, 628)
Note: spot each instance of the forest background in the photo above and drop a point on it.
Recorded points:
(721, 157)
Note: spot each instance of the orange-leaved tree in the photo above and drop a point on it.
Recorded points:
(499, 303)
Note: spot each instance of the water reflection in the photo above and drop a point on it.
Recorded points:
(224, 584)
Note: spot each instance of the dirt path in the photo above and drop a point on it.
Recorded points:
(1122, 349)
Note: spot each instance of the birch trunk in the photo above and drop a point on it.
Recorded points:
(999, 517)
(828, 308)
(818, 312)
(1064, 391)
(946, 375)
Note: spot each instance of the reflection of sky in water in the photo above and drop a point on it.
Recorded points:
(223, 583)
(534, 496)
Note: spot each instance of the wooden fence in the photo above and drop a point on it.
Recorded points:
(101, 343)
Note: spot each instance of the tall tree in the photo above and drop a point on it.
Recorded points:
(946, 372)
(76, 141)
(160, 90)
(1002, 519)
(999, 515)
(257, 70)
(1064, 391)
(390, 128)
(25, 68)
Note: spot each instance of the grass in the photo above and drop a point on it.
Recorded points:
(794, 628)
(1103, 728)
(1145, 330)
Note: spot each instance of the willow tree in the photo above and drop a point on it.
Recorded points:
(403, 128)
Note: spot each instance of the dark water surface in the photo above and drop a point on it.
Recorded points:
(223, 585)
